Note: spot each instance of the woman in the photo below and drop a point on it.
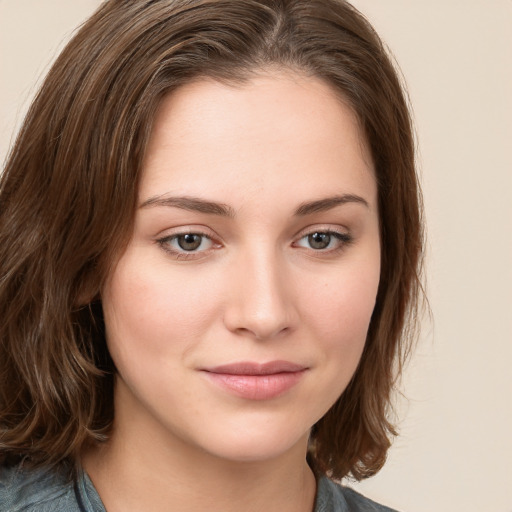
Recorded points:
(210, 237)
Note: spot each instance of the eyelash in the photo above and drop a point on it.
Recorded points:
(182, 254)
(344, 239)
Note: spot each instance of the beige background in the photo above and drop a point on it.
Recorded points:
(455, 451)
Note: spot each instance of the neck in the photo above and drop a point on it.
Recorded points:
(128, 480)
(134, 472)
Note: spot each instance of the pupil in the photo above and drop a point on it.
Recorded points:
(319, 240)
(189, 242)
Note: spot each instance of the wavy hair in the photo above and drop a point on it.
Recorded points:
(69, 190)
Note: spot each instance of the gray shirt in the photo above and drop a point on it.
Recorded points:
(47, 491)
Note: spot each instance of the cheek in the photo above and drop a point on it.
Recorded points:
(339, 310)
(151, 312)
(337, 314)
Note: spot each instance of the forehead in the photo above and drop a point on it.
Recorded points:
(276, 128)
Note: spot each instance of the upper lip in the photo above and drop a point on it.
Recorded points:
(253, 368)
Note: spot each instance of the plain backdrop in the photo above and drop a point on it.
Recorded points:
(455, 448)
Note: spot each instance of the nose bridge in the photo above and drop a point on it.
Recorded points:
(261, 303)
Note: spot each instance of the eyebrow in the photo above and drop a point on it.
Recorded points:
(322, 205)
(193, 204)
(196, 204)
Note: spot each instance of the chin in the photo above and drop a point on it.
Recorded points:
(256, 446)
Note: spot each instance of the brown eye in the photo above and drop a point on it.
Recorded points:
(326, 241)
(189, 242)
(319, 240)
(187, 245)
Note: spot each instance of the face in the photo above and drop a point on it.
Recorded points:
(238, 313)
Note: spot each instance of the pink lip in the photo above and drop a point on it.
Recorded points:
(255, 381)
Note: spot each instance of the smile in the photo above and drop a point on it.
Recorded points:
(254, 381)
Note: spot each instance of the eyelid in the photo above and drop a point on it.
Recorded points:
(322, 228)
(196, 229)
(163, 239)
(342, 234)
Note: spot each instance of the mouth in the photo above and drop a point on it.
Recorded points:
(256, 381)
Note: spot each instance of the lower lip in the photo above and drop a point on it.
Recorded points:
(256, 387)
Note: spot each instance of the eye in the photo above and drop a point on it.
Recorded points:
(183, 244)
(190, 241)
(324, 240)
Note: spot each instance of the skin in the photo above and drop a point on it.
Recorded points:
(255, 289)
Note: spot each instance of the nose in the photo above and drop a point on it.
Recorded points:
(261, 298)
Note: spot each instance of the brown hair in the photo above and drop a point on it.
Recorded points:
(68, 195)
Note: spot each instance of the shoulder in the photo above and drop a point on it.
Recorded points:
(23, 490)
(332, 497)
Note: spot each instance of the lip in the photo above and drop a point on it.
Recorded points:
(256, 381)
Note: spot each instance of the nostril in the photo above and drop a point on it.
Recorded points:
(260, 333)
(261, 304)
